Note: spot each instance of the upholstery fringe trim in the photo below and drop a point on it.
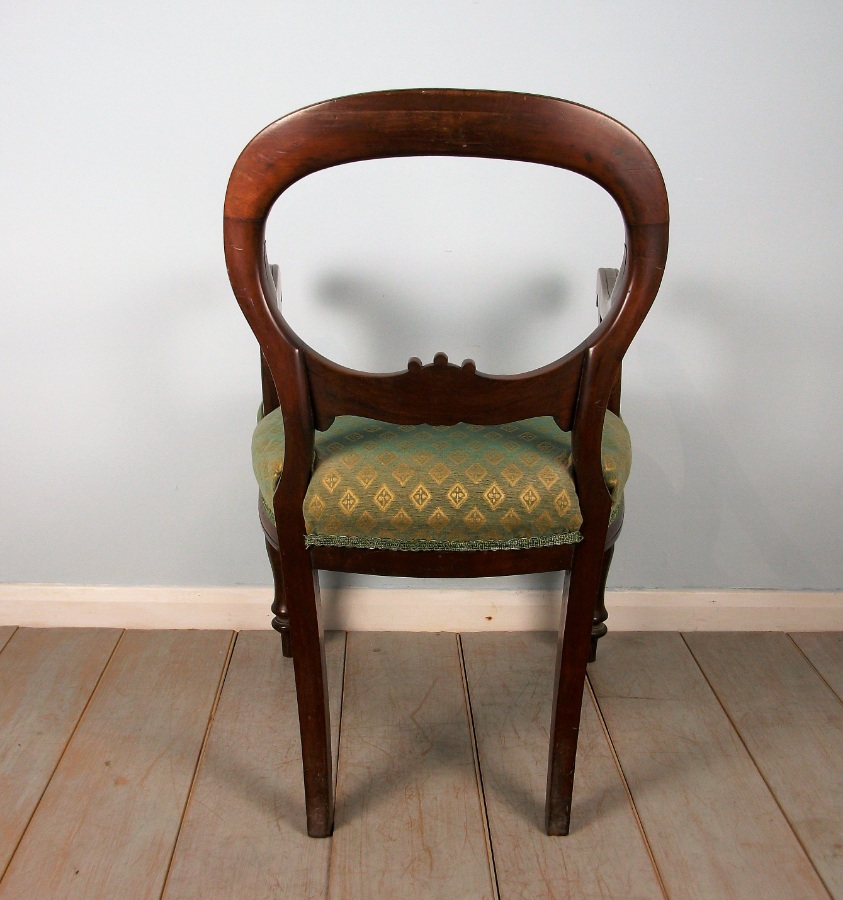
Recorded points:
(374, 543)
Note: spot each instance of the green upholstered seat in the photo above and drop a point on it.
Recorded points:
(438, 487)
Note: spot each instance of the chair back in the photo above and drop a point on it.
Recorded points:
(574, 389)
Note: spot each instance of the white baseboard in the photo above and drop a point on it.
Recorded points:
(416, 609)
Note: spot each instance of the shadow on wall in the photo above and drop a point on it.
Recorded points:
(386, 320)
(729, 395)
(198, 442)
(190, 436)
(731, 483)
(730, 424)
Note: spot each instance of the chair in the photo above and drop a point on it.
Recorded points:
(441, 470)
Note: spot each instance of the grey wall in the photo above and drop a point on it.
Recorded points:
(128, 378)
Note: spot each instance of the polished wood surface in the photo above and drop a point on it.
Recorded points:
(576, 389)
(606, 279)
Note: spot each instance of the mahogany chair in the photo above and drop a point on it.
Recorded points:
(441, 470)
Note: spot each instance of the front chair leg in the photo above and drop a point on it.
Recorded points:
(571, 658)
(598, 625)
(281, 617)
(302, 586)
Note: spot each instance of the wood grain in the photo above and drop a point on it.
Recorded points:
(243, 834)
(409, 820)
(5, 634)
(107, 823)
(825, 651)
(510, 682)
(47, 676)
(792, 724)
(713, 826)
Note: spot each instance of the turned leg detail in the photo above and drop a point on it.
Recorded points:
(281, 615)
(598, 625)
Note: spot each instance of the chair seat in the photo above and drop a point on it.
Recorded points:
(440, 487)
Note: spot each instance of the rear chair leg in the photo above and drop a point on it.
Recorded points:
(281, 620)
(302, 585)
(571, 657)
(598, 626)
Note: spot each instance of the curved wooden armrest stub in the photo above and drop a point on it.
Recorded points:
(606, 280)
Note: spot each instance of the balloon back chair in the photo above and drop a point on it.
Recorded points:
(441, 470)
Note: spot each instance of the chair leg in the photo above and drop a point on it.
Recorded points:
(571, 657)
(281, 620)
(598, 625)
(302, 586)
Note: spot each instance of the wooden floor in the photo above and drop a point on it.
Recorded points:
(146, 764)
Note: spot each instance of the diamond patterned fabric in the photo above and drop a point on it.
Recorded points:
(426, 487)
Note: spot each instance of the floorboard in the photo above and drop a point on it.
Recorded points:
(714, 827)
(6, 631)
(47, 676)
(244, 832)
(128, 767)
(792, 724)
(409, 819)
(510, 680)
(825, 652)
(107, 823)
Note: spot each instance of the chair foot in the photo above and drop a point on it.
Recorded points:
(598, 625)
(559, 823)
(318, 826)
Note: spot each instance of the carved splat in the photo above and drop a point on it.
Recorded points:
(443, 393)
(440, 363)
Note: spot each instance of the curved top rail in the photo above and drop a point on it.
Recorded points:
(488, 124)
(491, 124)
